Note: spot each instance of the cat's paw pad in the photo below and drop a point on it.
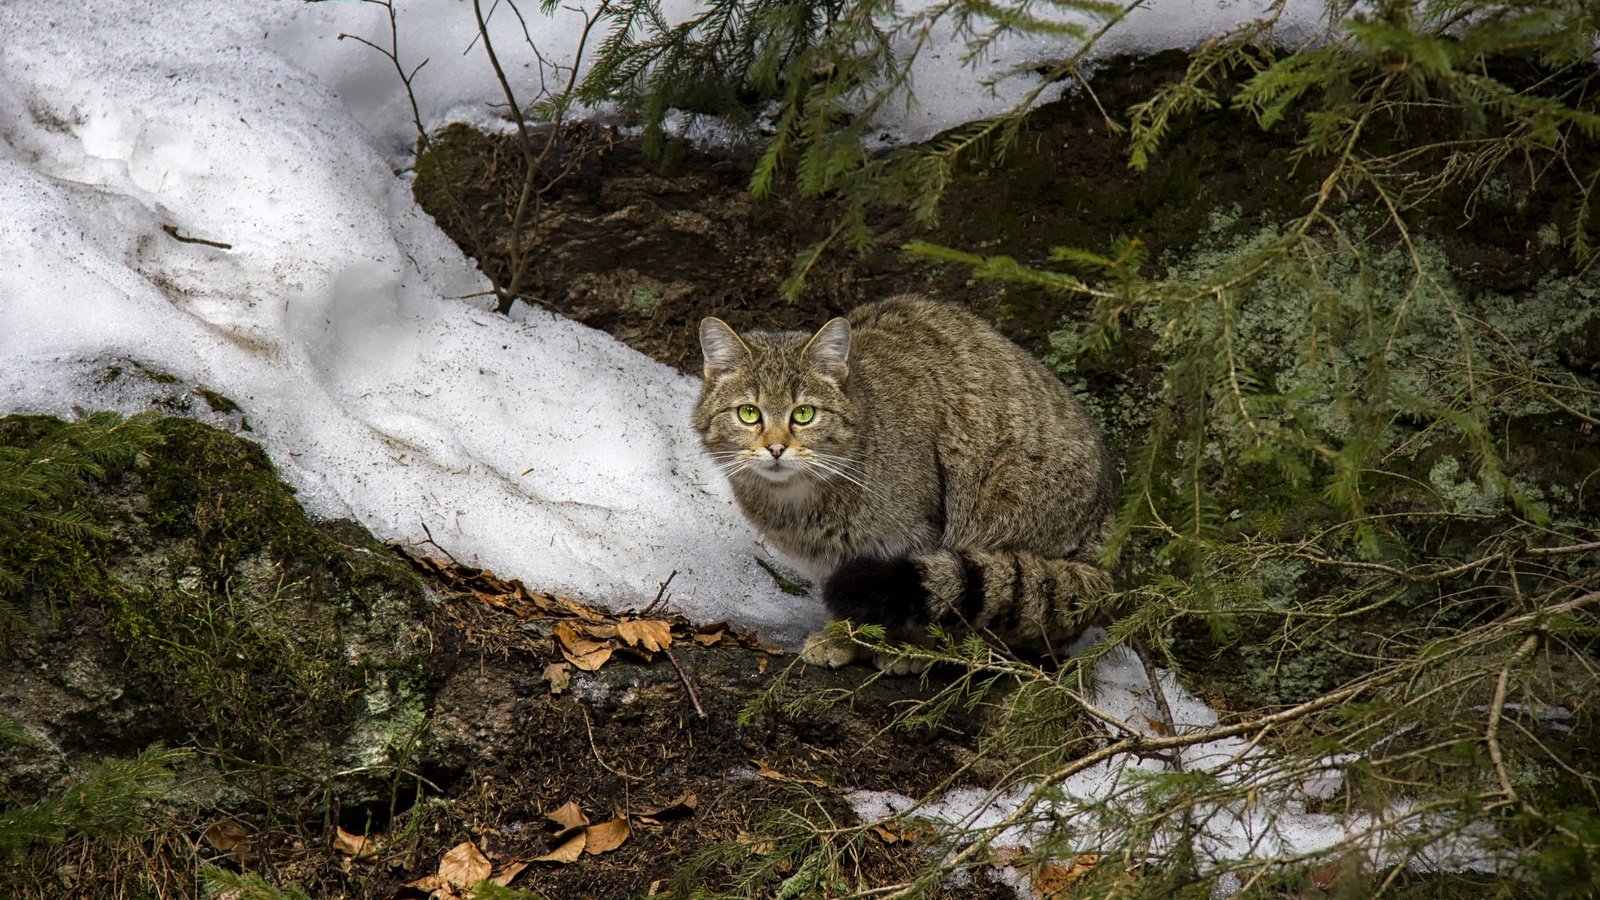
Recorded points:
(896, 664)
(824, 648)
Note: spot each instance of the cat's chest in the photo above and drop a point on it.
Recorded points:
(822, 532)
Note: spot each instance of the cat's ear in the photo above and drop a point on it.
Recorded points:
(828, 351)
(723, 348)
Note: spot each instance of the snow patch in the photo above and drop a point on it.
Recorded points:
(534, 446)
(1277, 823)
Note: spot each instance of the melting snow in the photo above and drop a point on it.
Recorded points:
(339, 318)
(1276, 823)
(531, 445)
(334, 316)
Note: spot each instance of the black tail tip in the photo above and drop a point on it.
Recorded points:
(887, 592)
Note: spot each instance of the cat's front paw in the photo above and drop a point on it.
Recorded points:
(824, 648)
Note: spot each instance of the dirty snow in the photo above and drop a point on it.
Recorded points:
(353, 335)
(531, 445)
(1277, 822)
(350, 332)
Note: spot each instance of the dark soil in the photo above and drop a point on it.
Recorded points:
(643, 249)
(283, 655)
(629, 738)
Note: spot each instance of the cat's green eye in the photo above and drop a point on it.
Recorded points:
(803, 414)
(749, 414)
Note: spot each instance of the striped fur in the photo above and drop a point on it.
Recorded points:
(943, 475)
(1023, 599)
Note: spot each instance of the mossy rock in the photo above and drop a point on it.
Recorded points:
(201, 607)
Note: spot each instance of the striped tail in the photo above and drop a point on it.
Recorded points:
(1030, 602)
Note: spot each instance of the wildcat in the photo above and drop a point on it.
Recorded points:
(922, 467)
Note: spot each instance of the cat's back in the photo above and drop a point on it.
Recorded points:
(1010, 443)
(914, 349)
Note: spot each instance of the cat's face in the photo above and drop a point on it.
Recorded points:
(773, 408)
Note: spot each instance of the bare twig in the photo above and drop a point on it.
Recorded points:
(688, 685)
(1153, 677)
(589, 727)
(1571, 548)
(435, 544)
(529, 204)
(1497, 708)
(661, 593)
(173, 232)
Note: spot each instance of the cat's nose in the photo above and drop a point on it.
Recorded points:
(776, 449)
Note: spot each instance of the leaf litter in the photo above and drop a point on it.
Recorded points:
(585, 637)
(461, 870)
(574, 836)
(619, 737)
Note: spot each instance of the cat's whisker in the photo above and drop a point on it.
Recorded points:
(820, 474)
(729, 468)
(818, 462)
(847, 468)
(831, 465)
(843, 462)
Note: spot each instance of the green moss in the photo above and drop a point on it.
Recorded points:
(644, 297)
(158, 376)
(271, 639)
(453, 160)
(51, 536)
(218, 402)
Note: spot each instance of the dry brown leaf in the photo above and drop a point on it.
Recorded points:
(766, 771)
(599, 631)
(1055, 878)
(580, 651)
(569, 605)
(430, 883)
(354, 845)
(707, 638)
(1324, 876)
(1348, 868)
(888, 836)
(761, 665)
(760, 845)
(568, 852)
(651, 634)
(225, 835)
(682, 805)
(498, 600)
(590, 661)
(607, 836)
(567, 817)
(463, 865)
(559, 675)
(511, 870)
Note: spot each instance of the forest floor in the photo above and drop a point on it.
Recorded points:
(542, 704)
(683, 749)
